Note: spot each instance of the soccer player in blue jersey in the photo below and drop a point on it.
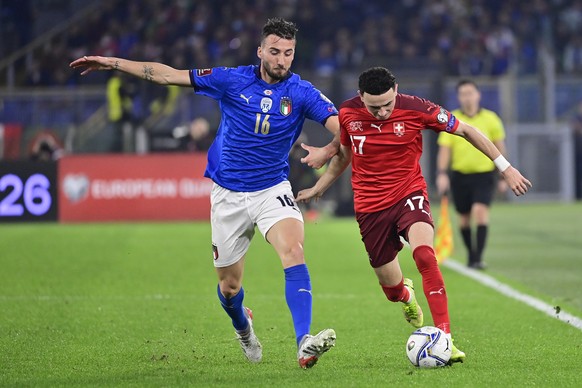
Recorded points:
(263, 110)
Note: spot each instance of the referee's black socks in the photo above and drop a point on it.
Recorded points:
(481, 240)
(466, 234)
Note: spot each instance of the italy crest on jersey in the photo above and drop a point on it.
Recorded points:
(286, 106)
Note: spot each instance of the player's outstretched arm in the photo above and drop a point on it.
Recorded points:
(336, 167)
(502, 185)
(318, 156)
(517, 182)
(150, 71)
(443, 160)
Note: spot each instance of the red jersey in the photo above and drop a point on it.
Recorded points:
(386, 153)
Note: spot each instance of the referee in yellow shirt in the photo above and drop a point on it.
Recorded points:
(473, 176)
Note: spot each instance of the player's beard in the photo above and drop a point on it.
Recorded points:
(278, 76)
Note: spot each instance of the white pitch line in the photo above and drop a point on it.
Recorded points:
(514, 294)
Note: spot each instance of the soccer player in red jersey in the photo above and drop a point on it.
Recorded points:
(381, 137)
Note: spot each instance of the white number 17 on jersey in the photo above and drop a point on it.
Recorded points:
(359, 149)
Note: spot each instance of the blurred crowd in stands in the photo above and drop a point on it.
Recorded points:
(461, 37)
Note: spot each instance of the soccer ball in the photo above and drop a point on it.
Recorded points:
(428, 347)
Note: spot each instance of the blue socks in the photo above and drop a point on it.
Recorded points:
(298, 295)
(234, 309)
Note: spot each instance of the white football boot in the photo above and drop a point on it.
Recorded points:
(249, 342)
(312, 347)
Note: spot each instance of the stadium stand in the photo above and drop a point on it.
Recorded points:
(462, 38)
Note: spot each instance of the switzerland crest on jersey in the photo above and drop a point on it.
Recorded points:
(399, 128)
(355, 126)
(286, 106)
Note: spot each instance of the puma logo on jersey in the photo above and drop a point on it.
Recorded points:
(304, 290)
(245, 98)
(378, 127)
(440, 292)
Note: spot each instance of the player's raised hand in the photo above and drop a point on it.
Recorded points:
(316, 157)
(517, 182)
(308, 194)
(90, 63)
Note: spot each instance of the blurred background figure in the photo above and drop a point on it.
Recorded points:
(120, 92)
(161, 108)
(45, 147)
(302, 176)
(577, 132)
(473, 176)
(198, 138)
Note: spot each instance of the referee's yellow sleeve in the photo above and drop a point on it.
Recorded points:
(497, 131)
(445, 139)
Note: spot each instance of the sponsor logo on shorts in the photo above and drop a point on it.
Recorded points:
(215, 251)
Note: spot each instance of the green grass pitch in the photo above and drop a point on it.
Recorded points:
(135, 305)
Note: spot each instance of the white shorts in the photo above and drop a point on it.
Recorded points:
(234, 214)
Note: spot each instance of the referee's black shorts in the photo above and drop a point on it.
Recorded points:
(468, 189)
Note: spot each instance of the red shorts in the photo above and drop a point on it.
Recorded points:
(381, 230)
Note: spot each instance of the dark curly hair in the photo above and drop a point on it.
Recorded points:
(279, 27)
(376, 81)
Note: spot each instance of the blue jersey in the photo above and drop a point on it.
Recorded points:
(259, 124)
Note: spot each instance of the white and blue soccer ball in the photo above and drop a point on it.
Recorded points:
(429, 347)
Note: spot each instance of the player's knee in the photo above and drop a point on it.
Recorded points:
(424, 258)
(293, 255)
(230, 287)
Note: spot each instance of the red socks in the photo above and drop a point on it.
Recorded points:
(433, 286)
(398, 293)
